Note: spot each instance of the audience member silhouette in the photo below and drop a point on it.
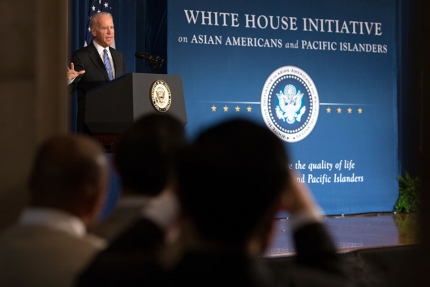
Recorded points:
(233, 183)
(147, 161)
(49, 245)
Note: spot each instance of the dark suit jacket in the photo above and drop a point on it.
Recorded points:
(316, 264)
(88, 59)
(130, 257)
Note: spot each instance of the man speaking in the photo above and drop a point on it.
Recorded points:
(95, 64)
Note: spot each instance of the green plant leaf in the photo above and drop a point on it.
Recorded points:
(409, 194)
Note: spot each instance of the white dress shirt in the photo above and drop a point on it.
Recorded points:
(101, 53)
(53, 218)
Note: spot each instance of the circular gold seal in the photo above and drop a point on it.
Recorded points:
(161, 97)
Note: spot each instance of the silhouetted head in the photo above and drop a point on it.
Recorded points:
(147, 154)
(232, 180)
(70, 173)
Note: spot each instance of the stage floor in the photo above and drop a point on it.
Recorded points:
(353, 232)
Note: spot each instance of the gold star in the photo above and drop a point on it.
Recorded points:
(360, 110)
(237, 109)
(225, 109)
(339, 110)
(213, 108)
(349, 110)
(328, 110)
(249, 109)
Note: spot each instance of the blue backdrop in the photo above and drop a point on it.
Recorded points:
(353, 66)
(221, 70)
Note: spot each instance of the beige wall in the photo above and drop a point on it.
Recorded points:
(33, 98)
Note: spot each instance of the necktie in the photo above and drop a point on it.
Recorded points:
(107, 64)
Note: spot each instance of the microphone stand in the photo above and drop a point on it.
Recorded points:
(155, 64)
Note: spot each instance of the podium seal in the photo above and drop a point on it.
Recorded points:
(161, 98)
(290, 103)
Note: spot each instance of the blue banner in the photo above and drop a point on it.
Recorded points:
(322, 75)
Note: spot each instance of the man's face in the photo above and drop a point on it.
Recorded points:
(104, 31)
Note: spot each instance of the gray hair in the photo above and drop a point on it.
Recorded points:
(93, 20)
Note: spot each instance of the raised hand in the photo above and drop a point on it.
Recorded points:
(298, 198)
(71, 73)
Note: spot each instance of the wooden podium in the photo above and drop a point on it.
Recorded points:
(111, 108)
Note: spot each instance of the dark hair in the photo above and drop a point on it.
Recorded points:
(66, 173)
(232, 178)
(147, 153)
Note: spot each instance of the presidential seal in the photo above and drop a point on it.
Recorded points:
(290, 103)
(161, 97)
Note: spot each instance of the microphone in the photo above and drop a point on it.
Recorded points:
(155, 62)
(144, 56)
